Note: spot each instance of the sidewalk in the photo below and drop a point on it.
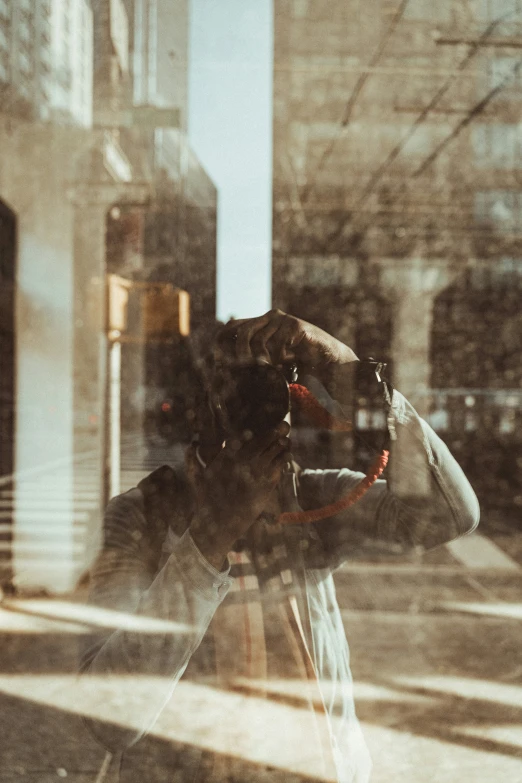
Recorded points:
(435, 656)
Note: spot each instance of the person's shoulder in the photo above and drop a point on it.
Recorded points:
(165, 480)
(167, 498)
(319, 476)
(142, 515)
(124, 514)
(159, 488)
(131, 500)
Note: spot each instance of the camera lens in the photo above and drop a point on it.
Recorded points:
(252, 397)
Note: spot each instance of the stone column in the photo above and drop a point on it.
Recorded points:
(90, 349)
(412, 285)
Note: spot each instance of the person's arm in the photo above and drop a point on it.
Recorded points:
(426, 500)
(230, 493)
(182, 598)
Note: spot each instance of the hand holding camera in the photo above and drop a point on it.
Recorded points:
(279, 339)
(254, 362)
(250, 398)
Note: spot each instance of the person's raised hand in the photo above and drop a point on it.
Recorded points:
(279, 338)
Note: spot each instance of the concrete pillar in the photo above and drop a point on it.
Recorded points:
(89, 361)
(60, 333)
(43, 545)
(412, 285)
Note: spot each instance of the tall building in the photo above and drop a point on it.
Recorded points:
(397, 203)
(179, 228)
(25, 55)
(45, 135)
(160, 53)
(91, 181)
(46, 60)
(70, 95)
(172, 238)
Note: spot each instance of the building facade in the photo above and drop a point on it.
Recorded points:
(396, 199)
(76, 152)
(46, 60)
(175, 233)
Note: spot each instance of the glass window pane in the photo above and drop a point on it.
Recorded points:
(208, 211)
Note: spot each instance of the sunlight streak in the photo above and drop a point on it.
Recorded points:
(509, 611)
(32, 614)
(466, 688)
(251, 728)
(509, 734)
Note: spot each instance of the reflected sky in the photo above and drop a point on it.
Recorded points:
(230, 127)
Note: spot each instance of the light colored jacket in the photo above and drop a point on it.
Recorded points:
(425, 502)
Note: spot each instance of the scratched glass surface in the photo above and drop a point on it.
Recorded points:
(165, 166)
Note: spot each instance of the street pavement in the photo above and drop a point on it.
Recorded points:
(435, 652)
(437, 660)
(435, 657)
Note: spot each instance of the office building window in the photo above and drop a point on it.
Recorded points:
(24, 32)
(504, 72)
(509, 266)
(500, 272)
(507, 12)
(497, 146)
(502, 209)
(25, 63)
(427, 10)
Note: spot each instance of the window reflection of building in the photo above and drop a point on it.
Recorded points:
(398, 158)
(71, 48)
(46, 59)
(489, 10)
(500, 69)
(497, 145)
(477, 376)
(502, 209)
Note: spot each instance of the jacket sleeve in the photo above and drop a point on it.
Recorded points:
(425, 501)
(158, 621)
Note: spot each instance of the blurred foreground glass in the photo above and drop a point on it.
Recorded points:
(397, 220)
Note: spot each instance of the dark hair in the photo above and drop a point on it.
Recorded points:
(202, 421)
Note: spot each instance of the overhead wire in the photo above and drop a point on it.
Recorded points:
(477, 109)
(470, 116)
(421, 118)
(348, 111)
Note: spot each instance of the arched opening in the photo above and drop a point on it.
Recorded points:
(476, 359)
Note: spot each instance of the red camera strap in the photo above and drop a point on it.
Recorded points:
(310, 407)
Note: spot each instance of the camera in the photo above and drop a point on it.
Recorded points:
(253, 396)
